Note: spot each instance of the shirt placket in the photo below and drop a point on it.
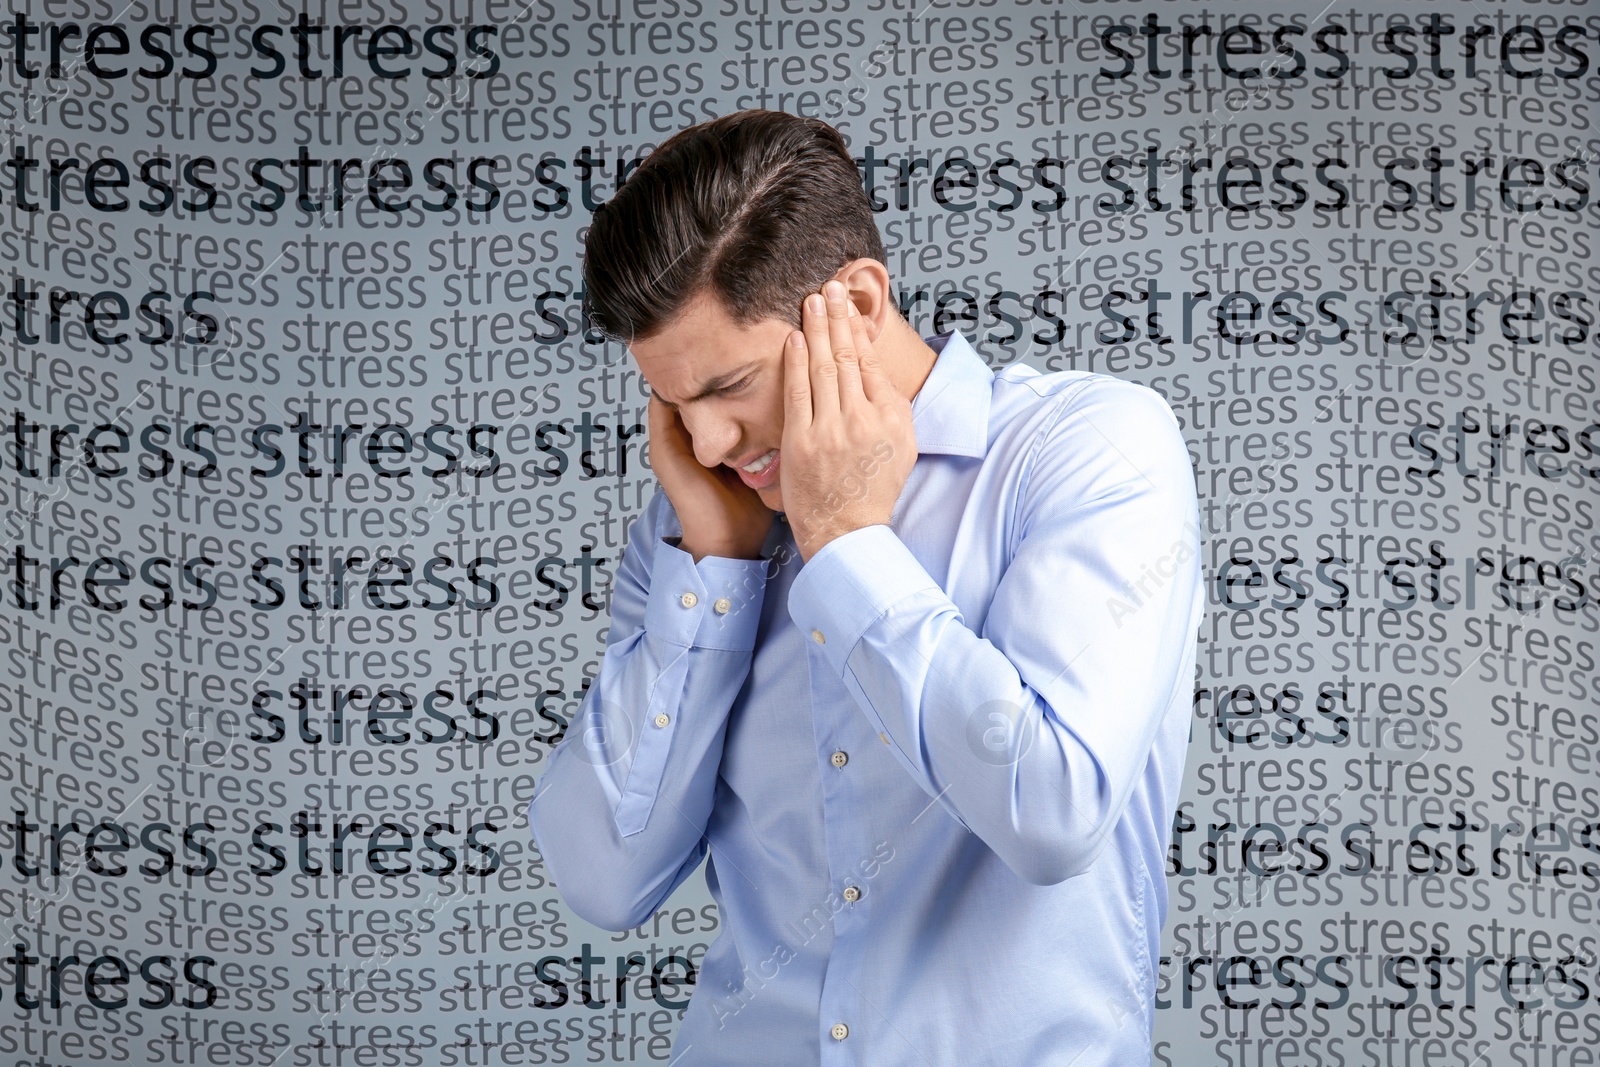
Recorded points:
(844, 1020)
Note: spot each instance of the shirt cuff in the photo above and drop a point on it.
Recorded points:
(715, 603)
(852, 582)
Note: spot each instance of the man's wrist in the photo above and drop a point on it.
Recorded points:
(713, 602)
(700, 550)
(818, 538)
(850, 584)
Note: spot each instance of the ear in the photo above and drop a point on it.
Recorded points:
(867, 282)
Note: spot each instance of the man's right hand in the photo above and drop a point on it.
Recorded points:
(721, 516)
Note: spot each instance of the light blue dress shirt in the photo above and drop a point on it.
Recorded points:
(935, 766)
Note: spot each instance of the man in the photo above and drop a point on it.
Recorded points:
(930, 721)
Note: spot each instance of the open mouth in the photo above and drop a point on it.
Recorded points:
(760, 463)
(760, 472)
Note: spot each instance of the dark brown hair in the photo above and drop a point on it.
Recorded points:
(758, 207)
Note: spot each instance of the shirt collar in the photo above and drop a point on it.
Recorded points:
(950, 413)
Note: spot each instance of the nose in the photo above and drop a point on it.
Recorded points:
(714, 437)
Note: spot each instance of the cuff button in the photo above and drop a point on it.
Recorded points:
(721, 605)
(816, 635)
(688, 600)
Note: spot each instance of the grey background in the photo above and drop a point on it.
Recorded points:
(1392, 769)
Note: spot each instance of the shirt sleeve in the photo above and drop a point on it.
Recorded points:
(620, 812)
(1032, 725)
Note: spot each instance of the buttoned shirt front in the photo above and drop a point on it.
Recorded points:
(935, 766)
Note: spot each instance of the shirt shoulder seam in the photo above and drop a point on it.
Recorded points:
(1062, 402)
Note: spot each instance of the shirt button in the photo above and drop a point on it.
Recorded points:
(840, 1031)
(840, 759)
(852, 894)
(688, 600)
(885, 738)
(662, 719)
(816, 635)
(721, 605)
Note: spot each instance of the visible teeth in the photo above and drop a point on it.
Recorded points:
(761, 464)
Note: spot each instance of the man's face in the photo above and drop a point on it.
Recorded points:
(727, 385)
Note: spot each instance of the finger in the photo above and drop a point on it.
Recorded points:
(875, 385)
(846, 351)
(668, 434)
(660, 416)
(824, 373)
(681, 434)
(796, 381)
(665, 414)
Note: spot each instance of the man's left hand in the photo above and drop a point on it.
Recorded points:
(848, 444)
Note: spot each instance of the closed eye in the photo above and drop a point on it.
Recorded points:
(731, 387)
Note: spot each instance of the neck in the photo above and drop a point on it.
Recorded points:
(906, 356)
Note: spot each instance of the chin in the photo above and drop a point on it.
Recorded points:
(772, 497)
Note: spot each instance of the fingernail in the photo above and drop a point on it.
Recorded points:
(834, 291)
(814, 302)
(796, 339)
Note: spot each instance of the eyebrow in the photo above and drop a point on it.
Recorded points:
(721, 381)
